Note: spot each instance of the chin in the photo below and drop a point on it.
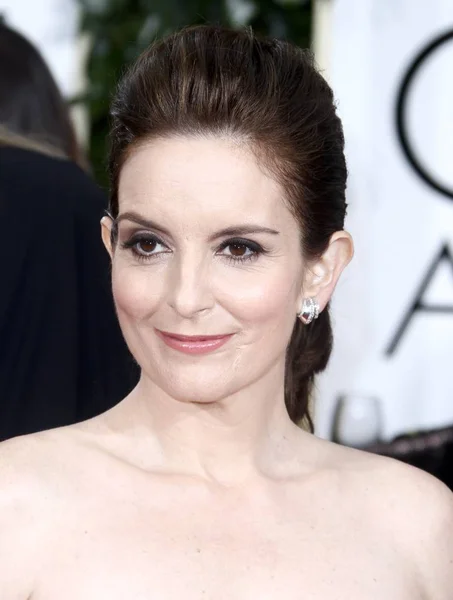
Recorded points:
(192, 397)
(202, 391)
(202, 385)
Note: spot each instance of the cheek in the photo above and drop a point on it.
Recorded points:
(264, 297)
(134, 292)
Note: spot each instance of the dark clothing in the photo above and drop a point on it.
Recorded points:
(62, 355)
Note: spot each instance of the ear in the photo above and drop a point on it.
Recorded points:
(322, 274)
(106, 234)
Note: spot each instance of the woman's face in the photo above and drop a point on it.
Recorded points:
(206, 247)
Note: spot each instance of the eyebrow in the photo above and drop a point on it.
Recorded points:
(228, 231)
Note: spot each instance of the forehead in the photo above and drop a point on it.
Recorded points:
(201, 181)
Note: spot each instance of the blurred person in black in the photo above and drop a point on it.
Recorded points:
(30, 102)
(62, 355)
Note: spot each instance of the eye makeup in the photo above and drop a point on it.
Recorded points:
(146, 247)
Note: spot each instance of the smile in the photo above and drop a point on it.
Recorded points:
(197, 344)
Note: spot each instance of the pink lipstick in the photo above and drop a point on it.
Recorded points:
(197, 344)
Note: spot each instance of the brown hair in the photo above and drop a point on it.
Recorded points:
(32, 108)
(212, 80)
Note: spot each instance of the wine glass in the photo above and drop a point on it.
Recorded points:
(357, 421)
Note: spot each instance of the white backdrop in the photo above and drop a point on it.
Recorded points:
(399, 222)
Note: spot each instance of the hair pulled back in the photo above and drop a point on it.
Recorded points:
(268, 93)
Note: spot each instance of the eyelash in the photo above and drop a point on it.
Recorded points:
(255, 248)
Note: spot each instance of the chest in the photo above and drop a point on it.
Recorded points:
(178, 550)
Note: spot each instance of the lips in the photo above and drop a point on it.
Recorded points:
(193, 338)
(193, 344)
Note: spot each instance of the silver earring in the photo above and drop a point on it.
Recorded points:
(309, 311)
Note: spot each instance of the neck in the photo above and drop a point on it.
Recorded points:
(228, 441)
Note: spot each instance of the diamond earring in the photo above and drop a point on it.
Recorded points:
(309, 311)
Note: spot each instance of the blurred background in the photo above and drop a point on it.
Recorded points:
(389, 386)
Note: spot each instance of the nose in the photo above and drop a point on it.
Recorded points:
(189, 286)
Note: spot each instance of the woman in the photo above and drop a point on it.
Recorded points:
(226, 237)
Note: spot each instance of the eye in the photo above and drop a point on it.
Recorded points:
(145, 246)
(240, 250)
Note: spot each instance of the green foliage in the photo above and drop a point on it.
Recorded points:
(121, 29)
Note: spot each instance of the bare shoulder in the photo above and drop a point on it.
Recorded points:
(34, 468)
(28, 460)
(29, 466)
(411, 507)
(420, 512)
(19, 535)
(30, 469)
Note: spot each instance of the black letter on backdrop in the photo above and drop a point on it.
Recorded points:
(417, 304)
